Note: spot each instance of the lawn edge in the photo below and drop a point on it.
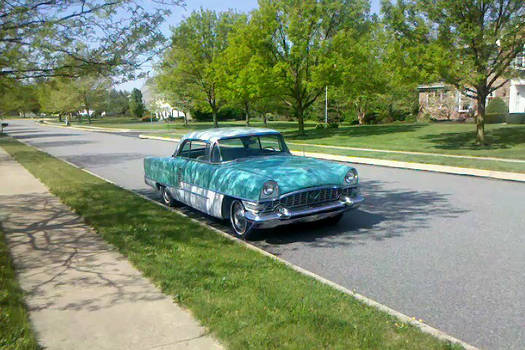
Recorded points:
(31, 334)
(441, 335)
(445, 169)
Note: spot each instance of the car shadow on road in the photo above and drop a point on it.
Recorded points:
(385, 214)
(41, 134)
(49, 144)
(98, 159)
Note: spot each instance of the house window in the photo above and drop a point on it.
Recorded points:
(464, 103)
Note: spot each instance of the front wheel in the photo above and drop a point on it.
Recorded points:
(241, 226)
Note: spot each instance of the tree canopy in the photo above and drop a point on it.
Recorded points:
(191, 61)
(472, 43)
(40, 38)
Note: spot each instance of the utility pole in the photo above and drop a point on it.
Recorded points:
(326, 106)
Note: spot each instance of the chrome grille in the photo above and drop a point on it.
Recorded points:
(311, 197)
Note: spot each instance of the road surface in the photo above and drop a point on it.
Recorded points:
(447, 249)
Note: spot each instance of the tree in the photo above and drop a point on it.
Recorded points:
(117, 102)
(296, 41)
(361, 75)
(475, 41)
(60, 96)
(105, 36)
(191, 61)
(176, 95)
(244, 77)
(136, 104)
(20, 97)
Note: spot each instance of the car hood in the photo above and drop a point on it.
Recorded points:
(293, 173)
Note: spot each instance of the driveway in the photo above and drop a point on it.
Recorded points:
(444, 248)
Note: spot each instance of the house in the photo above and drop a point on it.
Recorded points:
(440, 101)
(156, 103)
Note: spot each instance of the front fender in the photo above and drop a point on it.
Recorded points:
(237, 183)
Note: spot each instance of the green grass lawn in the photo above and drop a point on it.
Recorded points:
(16, 332)
(246, 299)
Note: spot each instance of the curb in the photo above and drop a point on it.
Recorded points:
(499, 175)
(370, 302)
(93, 128)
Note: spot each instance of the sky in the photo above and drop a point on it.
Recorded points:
(180, 13)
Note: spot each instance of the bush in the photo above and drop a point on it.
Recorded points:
(148, 118)
(225, 113)
(494, 118)
(497, 106)
(516, 118)
(496, 111)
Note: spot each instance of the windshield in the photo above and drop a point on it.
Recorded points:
(251, 146)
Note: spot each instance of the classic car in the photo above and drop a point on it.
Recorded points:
(249, 176)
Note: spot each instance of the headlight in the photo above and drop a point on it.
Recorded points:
(270, 190)
(351, 177)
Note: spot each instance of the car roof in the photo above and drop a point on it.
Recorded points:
(213, 135)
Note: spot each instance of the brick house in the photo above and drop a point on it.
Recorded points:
(440, 101)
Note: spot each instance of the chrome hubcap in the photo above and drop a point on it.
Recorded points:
(166, 195)
(238, 219)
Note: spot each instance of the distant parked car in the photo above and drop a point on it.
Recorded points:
(248, 175)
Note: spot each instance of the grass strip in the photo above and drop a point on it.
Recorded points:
(16, 332)
(246, 299)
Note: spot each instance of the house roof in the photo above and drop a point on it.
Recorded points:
(435, 86)
(213, 135)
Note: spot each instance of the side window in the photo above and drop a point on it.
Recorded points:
(200, 150)
(195, 149)
(185, 151)
(270, 143)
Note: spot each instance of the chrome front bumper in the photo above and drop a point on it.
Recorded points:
(282, 216)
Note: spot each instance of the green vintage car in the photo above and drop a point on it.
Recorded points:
(249, 176)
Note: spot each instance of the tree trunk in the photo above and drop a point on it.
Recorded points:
(265, 119)
(60, 117)
(300, 119)
(480, 119)
(89, 115)
(185, 118)
(361, 117)
(215, 123)
(247, 113)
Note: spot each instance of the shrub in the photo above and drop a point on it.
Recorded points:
(494, 118)
(496, 111)
(148, 118)
(516, 118)
(497, 106)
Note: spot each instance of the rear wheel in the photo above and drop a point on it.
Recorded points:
(241, 226)
(166, 197)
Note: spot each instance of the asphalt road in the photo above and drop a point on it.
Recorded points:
(444, 248)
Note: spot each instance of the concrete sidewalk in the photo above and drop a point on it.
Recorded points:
(81, 293)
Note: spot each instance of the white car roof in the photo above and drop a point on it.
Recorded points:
(213, 135)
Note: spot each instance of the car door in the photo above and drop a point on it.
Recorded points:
(178, 164)
(196, 176)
